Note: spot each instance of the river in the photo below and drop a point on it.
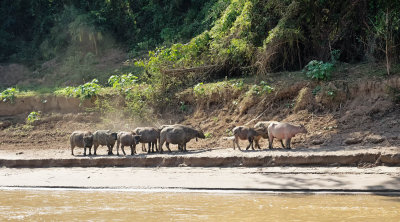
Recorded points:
(136, 205)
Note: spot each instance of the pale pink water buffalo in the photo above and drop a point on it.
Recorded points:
(283, 131)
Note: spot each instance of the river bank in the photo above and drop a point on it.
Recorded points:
(274, 179)
(357, 156)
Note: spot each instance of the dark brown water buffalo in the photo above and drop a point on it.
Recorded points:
(82, 139)
(148, 135)
(246, 133)
(178, 134)
(104, 138)
(127, 139)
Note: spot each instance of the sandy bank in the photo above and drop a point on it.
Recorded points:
(344, 179)
(206, 158)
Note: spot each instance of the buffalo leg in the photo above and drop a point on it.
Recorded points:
(123, 151)
(110, 150)
(270, 141)
(149, 145)
(184, 147)
(133, 150)
(250, 143)
(160, 146)
(283, 146)
(257, 144)
(95, 150)
(167, 145)
(144, 147)
(237, 143)
(288, 143)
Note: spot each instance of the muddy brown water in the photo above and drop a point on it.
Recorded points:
(112, 205)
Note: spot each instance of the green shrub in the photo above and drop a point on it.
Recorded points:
(87, 90)
(8, 95)
(67, 91)
(261, 88)
(319, 70)
(32, 117)
(199, 90)
(122, 81)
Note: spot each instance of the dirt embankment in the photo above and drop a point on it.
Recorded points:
(341, 116)
(45, 104)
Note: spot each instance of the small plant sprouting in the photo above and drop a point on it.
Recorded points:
(331, 93)
(208, 135)
(183, 106)
(316, 90)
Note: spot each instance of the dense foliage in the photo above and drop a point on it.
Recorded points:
(40, 29)
(233, 37)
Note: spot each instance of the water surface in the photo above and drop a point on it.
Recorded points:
(111, 205)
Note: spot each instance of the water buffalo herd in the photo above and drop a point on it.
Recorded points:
(180, 135)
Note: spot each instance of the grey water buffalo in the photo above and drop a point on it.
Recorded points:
(148, 135)
(104, 138)
(178, 134)
(283, 131)
(82, 139)
(127, 139)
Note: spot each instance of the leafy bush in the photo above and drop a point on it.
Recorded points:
(8, 95)
(318, 70)
(32, 117)
(261, 88)
(87, 90)
(122, 81)
(199, 90)
(67, 91)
